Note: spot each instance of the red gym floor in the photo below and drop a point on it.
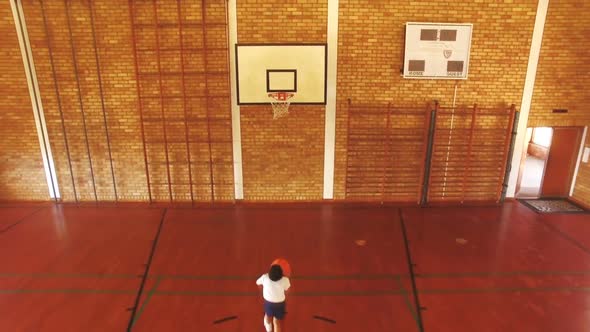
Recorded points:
(81, 268)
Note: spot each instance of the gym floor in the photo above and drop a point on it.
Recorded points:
(155, 268)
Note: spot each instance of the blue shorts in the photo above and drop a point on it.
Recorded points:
(276, 310)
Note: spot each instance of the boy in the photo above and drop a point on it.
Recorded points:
(274, 285)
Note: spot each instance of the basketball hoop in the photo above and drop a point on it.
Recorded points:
(280, 103)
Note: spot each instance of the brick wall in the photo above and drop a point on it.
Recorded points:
(562, 75)
(371, 47)
(77, 99)
(282, 159)
(21, 166)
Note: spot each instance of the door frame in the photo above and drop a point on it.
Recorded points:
(578, 161)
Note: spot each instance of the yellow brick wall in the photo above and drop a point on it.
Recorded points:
(562, 80)
(72, 91)
(282, 159)
(562, 76)
(21, 167)
(371, 48)
(60, 93)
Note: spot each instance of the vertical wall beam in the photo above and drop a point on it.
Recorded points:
(330, 118)
(428, 160)
(527, 95)
(232, 13)
(511, 134)
(58, 98)
(34, 92)
(425, 145)
(228, 78)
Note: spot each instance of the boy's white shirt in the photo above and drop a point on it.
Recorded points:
(273, 291)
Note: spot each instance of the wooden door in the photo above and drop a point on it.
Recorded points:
(561, 162)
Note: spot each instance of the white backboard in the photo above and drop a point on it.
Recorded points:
(437, 50)
(296, 68)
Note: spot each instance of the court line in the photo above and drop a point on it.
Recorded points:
(153, 292)
(564, 235)
(146, 301)
(501, 274)
(396, 292)
(68, 275)
(66, 291)
(147, 271)
(407, 301)
(411, 269)
(535, 216)
(506, 290)
(298, 294)
(450, 275)
(119, 205)
(326, 277)
(21, 220)
(31, 205)
(191, 277)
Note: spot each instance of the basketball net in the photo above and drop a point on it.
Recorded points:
(280, 103)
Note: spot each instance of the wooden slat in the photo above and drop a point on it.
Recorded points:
(385, 153)
(468, 158)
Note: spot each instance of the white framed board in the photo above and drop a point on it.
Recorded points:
(437, 50)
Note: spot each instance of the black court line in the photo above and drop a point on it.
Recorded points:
(21, 220)
(147, 271)
(223, 320)
(450, 275)
(564, 235)
(407, 300)
(384, 292)
(70, 291)
(450, 291)
(500, 274)
(324, 319)
(20, 206)
(412, 275)
(309, 277)
(110, 205)
(500, 290)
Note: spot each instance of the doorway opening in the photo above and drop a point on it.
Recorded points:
(535, 158)
(549, 161)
